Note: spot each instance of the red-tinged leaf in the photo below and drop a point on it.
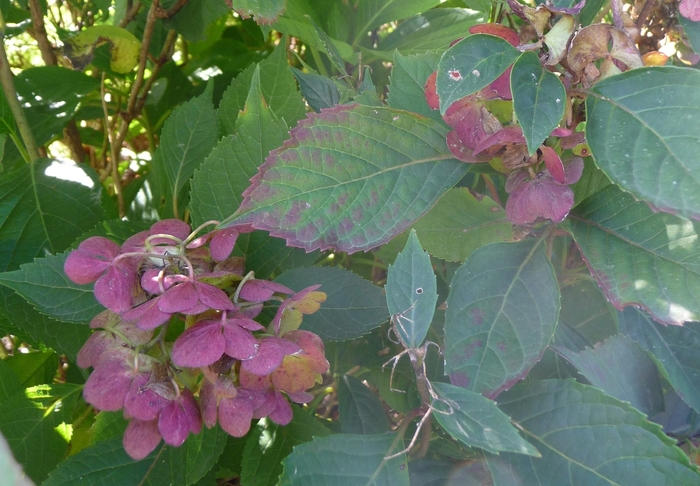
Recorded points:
(498, 30)
(350, 178)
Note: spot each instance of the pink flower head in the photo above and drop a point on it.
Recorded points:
(298, 371)
(542, 197)
(271, 352)
(261, 290)
(206, 341)
(107, 386)
(221, 242)
(232, 407)
(93, 261)
(141, 438)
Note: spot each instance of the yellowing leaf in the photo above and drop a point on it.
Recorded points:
(125, 47)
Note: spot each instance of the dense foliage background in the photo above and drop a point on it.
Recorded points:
(504, 230)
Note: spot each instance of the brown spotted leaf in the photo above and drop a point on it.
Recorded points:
(350, 178)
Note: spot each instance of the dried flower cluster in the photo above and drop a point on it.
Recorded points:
(224, 367)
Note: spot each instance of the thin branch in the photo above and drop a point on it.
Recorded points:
(130, 15)
(162, 59)
(11, 95)
(116, 178)
(646, 10)
(161, 13)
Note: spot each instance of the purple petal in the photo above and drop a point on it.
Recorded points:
(240, 343)
(141, 402)
(270, 354)
(222, 243)
(115, 289)
(236, 413)
(149, 281)
(553, 163)
(93, 349)
(174, 423)
(301, 397)
(82, 268)
(511, 134)
(178, 298)
(174, 227)
(573, 170)
(264, 403)
(540, 198)
(141, 438)
(135, 243)
(282, 414)
(262, 290)
(200, 345)
(213, 297)
(147, 315)
(107, 386)
(208, 402)
(245, 322)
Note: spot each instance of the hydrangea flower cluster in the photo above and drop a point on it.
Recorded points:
(224, 368)
(538, 184)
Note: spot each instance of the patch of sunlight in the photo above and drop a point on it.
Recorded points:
(68, 170)
(641, 284)
(681, 235)
(680, 313)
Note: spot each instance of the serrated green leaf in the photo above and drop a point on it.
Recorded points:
(640, 257)
(187, 137)
(501, 313)
(476, 421)
(44, 207)
(623, 370)
(268, 256)
(269, 443)
(585, 310)
(319, 91)
(278, 87)
(331, 50)
(675, 348)
(459, 224)
(12, 472)
(470, 65)
(538, 99)
(44, 284)
(397, 386)
(432, 30)
(346, 460)
(353, 307)
(360, 185)
(35, 368)
(264, 12)
(408, 77)
(107, 464)
(18, 317)
(586, 438)
(411, 293)
(194, 17)
(641, 128)
(360, 410)
(218, 184)
(29, 421)
(373, 13)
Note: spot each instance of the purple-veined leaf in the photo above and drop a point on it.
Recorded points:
(623, 370)
(538, 99)
(501, 314)
(586, 437)
(642, 128)
(347, 460)
(471, 64)
(475, 421)
(350, 178)
(676, 350)
(411, 292)
(640, 257)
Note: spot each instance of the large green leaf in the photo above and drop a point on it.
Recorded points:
(640, 257)
(538, 99)
(471, 64)
(44, 207)
(18, 317)
(107, 464)
(264, 12)
(476, 421)
(31, 423)
(268, 256)
(411, 293)
(350, 178)
(592, 180)
(34, 368)
(373, 13)
(353, 306)
(621, 369)
(407, 88)
(268, 444)
(432, 30)
(187, 137)
(278, 88)
(319, 91)
(501, 314)
(44, 284)
(194, 17)
(585, 310)
(9, 381)
(360, 410)
(218, 184)
(642, 130)
(460, 223)
(586, 438)
(347, 460)
(675, 348)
